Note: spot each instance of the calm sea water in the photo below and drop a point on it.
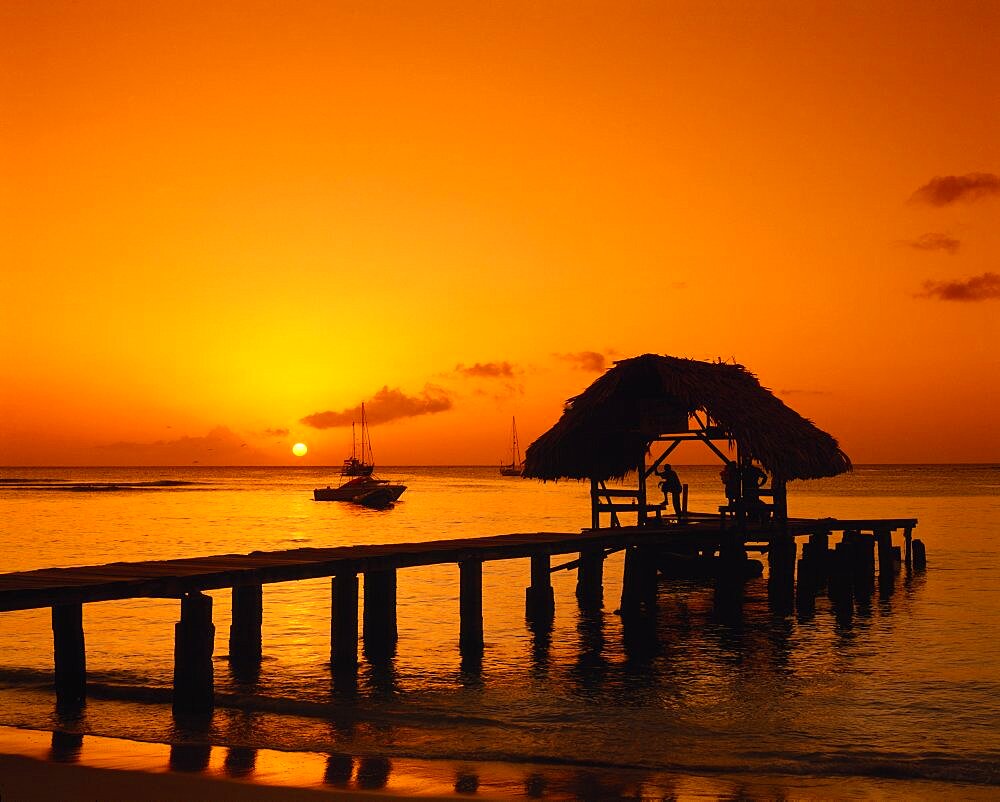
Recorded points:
(905, 688)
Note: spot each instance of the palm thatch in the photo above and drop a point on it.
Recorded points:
(604, 430)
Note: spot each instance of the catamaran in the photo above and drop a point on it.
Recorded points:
(353, 466)
(516, 465)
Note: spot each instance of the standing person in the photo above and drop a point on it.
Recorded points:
(670, 484)
(730, 476)
(753, 480)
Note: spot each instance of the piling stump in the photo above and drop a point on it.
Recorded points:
(69, 654)
(194, 643)
(919, 554)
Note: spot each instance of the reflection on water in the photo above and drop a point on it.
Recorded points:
(717, 676)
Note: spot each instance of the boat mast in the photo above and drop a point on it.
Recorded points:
(515, 451)
(366, 435)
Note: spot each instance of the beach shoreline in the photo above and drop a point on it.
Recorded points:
(38, 765)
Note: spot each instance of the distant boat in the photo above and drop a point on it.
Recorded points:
(362, 490)
(516, 465)
(353, 466)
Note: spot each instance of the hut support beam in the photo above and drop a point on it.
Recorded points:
(69, 654)
(470, 605)
(344, 623)
(194, 643)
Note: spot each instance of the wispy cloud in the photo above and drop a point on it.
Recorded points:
(934, 242)
(486, 370)
(978, 288)
(386, 405)
(591, 361)
(220, 446)
(276, 432)
(943, 190)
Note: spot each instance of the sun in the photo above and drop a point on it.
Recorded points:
(300, 449)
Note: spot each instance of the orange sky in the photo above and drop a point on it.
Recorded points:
(220, 218)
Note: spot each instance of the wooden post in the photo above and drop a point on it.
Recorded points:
(639, 582)
(244, 631)
(539, 602)
(380, 630)
(344, 623)
(70, 654)
(684, 498)
(470, 605)
(779, 502)
(590, 577)
(886, 562)
(908, 540)
(641, 499)
(781, 556)
(194, 643)
(919, 555)
(595, 516)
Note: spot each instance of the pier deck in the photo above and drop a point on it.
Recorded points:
(66, 590)
(173, 578)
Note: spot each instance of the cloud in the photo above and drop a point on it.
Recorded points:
(221, 446)
(386, 405)
(276, 432)
(487, 370)
(945, 189)
(978, 288)
(591, 361)
(803, 392)
(934, 242)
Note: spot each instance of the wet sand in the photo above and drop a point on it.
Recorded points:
(43, 766)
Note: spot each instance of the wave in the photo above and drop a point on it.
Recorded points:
(978, 769)
(95, 487)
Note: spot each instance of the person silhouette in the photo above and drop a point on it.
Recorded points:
(670, 484)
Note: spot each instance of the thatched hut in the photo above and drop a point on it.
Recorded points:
(607, 431)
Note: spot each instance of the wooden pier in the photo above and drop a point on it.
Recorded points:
(66, 590)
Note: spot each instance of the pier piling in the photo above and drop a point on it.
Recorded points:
(344, 623)
(886, 561)
(194, 643)
(919, 555)
(380, 630)
(470, 603)
(639, 581)
(590, 578)
(245, 644)
(539, 601)
(69, 653)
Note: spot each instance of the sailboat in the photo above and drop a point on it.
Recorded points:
(353, 466)
(516, 465)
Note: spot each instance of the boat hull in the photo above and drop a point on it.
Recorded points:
(355, 491)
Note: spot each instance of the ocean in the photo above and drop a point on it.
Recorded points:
(897, 696)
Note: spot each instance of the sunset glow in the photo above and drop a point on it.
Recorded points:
(228, 225)
(300, 449)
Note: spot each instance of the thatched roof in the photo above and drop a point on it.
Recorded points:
(603, 430)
